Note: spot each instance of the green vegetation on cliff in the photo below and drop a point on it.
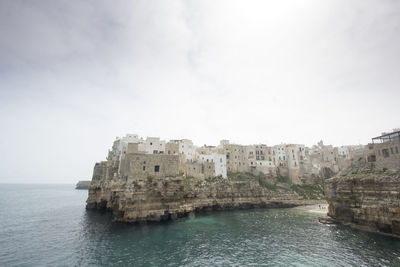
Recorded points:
(281, 183)
(309, 191)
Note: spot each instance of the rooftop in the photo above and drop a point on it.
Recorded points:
(386, 137)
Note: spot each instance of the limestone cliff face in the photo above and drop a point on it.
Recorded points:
(366, 200)
(165, 198)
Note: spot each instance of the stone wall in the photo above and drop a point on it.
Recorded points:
(136, 166)
(201, 170)
(387, 155)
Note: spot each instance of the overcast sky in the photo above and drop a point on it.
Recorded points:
(76, 74)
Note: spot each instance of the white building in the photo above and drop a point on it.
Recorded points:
(343, 151)
(294, 154)
(154, 145)
(186, 148)
(219, 163)
(279, 151)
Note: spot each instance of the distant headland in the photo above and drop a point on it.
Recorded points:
(82, 185)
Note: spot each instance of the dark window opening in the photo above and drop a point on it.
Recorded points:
(157, 168)
(144, 168)
(385, 153)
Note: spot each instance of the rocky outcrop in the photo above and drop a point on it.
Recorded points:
(82, 185)
(366, 200)
(155, 199)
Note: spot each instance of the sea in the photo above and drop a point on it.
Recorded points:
(47, 225)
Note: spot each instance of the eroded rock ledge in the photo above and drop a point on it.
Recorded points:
(366, 200)
(169, 198)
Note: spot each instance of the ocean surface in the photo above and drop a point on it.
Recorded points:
(47, 225)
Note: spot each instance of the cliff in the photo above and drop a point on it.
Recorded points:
(366, 200)
(82, 185)
(155, 199)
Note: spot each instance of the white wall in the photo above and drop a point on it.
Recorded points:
(219, 163)
(186, 147)
(154, 145)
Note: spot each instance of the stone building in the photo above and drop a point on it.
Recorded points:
(236, 158)
(186, 148)
(279, 153)
(172, 148)
(202, 170)
(260, 159)
(218, 161)
(295, 155)
(386, 151)
(297, 162)
(139, 166)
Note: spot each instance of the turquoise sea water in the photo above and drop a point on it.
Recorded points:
(47, 225)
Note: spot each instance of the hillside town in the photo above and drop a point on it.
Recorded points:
(134, 157)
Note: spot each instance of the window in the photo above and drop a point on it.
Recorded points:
(220, 160)
(257, 158)
(169, 152)
(295, 164)
(144, 168)
(385, 153)
(397, 150)
(151, 143)
(157, 168)
(144, 162)
(391, 150)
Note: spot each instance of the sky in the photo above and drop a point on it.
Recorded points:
(76, 74)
